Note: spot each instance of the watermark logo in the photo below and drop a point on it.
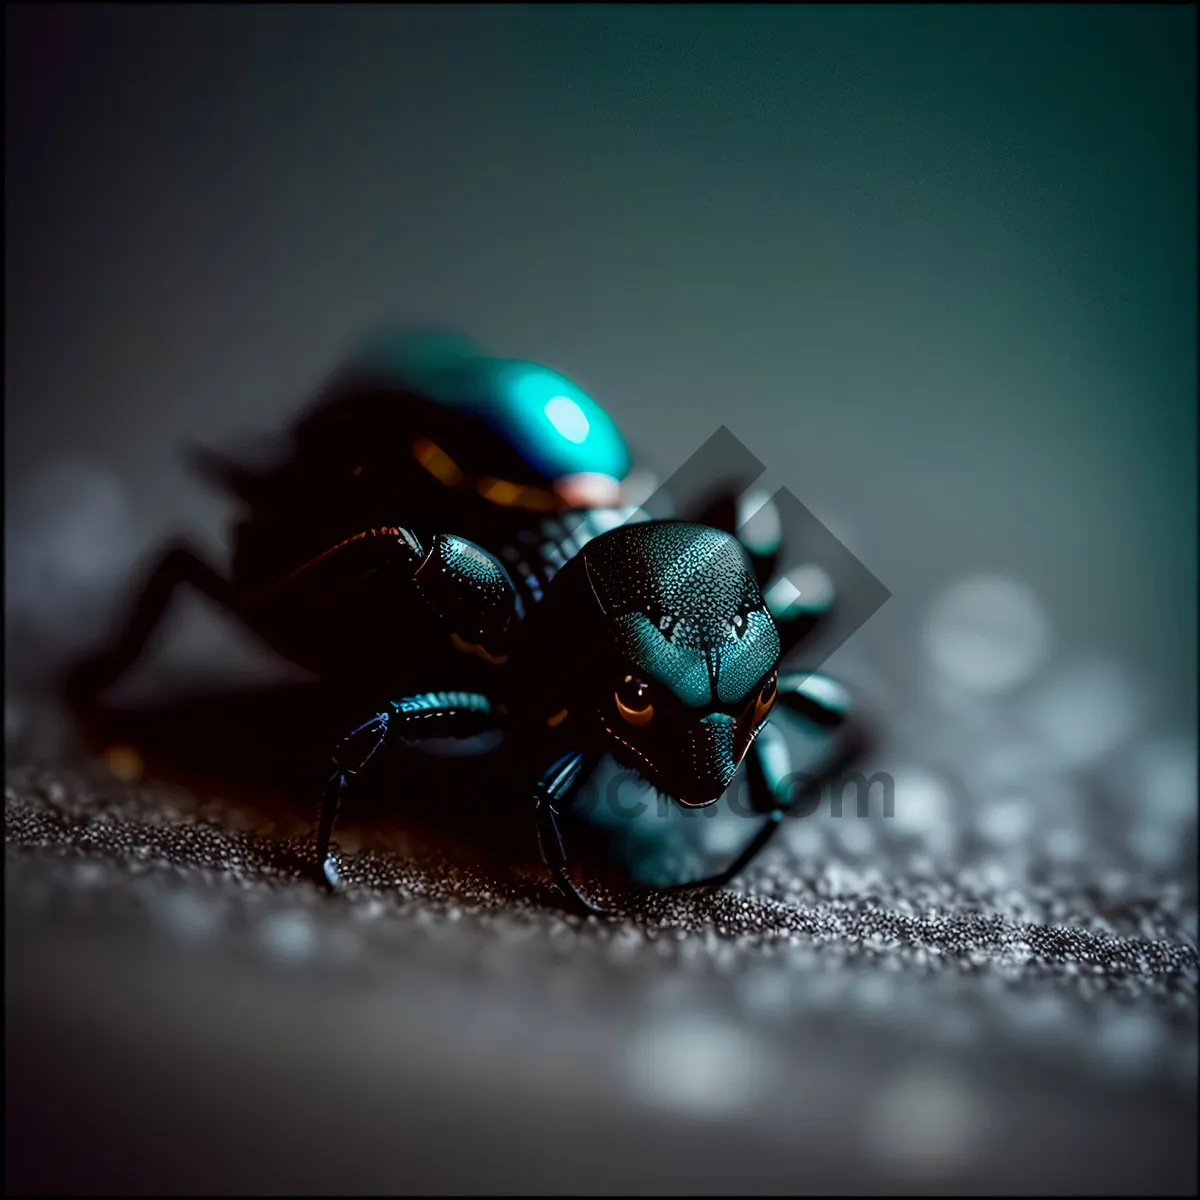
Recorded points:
(847, 793)
(812, 571)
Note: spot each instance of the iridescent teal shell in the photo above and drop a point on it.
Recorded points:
(549, 420)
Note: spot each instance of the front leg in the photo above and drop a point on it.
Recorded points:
(428, 715)
(463, 587)
(551, 792)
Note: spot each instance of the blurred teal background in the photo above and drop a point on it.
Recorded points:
(936, 265)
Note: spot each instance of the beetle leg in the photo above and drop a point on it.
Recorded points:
(353, 753)
(556, 787)
(815, 699)
(179, 564)
(430, 714)
(331, 802)
(467, 588)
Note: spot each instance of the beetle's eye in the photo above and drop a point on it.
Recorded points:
(633, 700)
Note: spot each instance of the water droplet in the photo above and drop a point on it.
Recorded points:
(924, 1124)
(1007, 761)
(1156, 844)
(856, 835)
(290, 935)
(1064, 845)
(1085, 713)
(698, 1066)
(767, 993)
(726, 834)
(1129, 1041)
(1006, 819)
(73, 537)
(923, 801)
(1162, 773)
(805, 837)
(88, 874)
(188, 915)
(987, 633)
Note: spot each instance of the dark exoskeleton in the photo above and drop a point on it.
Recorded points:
(447, 531)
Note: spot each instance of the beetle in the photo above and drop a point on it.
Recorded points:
(446, 534)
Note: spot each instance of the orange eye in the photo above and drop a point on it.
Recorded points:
(633, 701)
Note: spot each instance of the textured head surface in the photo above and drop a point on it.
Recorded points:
(686, 608)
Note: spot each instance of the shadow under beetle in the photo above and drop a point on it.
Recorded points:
(446, 537)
